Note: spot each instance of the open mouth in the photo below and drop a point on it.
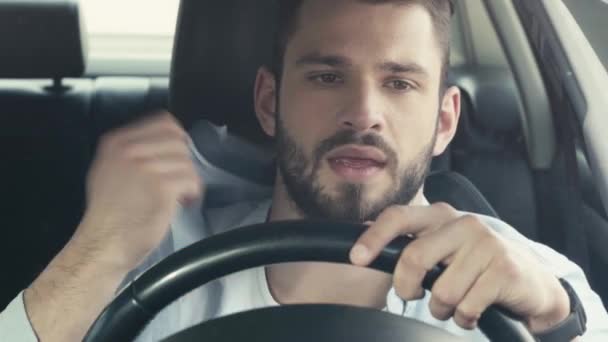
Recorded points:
(355, 163)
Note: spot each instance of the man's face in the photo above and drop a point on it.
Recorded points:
(357, 117)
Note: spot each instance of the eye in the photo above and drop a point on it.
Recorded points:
(326, 78)
(399, 85)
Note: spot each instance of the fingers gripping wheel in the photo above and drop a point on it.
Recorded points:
(270, 243)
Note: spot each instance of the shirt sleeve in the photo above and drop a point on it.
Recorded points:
(562, 267)
(556, 263)
(14, 323)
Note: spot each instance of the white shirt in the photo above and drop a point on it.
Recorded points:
(249, 289)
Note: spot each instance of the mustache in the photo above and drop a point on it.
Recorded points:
(353, 138)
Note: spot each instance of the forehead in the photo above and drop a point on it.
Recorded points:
(365, 32)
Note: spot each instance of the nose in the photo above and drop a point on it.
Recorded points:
(364, 112)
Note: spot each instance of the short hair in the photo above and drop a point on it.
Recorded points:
(440, 11)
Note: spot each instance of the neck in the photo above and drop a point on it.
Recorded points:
(313, 282)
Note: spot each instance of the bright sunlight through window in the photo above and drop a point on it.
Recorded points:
(129, 37)
(130, 17)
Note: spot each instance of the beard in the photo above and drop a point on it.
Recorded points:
(300, 177)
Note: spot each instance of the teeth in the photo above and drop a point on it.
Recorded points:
(356, 163)
(344, 162)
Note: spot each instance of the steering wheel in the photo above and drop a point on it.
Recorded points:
(270, 243)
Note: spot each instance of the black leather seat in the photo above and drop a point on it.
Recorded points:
(212, 78)
(489, 148)
(44, 142)
(118, 101)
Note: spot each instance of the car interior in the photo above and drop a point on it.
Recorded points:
(53, 112)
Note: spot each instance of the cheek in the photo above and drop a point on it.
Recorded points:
(307, 121)
(301, 130)
(412, 133)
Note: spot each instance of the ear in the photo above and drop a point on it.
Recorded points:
(449, 114)
(265, 99)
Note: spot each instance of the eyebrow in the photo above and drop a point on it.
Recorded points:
(335, 61)
(316, 58)
(403, 68)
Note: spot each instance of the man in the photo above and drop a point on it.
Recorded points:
(358, 104)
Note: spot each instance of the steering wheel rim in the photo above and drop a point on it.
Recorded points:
(254, 246)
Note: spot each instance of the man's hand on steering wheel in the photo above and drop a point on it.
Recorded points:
(482, 267)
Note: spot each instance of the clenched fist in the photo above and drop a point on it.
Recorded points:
(141, 174)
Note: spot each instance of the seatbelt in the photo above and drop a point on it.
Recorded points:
(574, 232)
(562, 202)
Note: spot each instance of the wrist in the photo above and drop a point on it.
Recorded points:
(574, 325)
(556, 313)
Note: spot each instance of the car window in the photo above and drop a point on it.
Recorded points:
(129, 37)
(592, 16)
(129, 17)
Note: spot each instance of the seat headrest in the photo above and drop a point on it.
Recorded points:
(493, 96)
(219, 46)
(41, 39)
